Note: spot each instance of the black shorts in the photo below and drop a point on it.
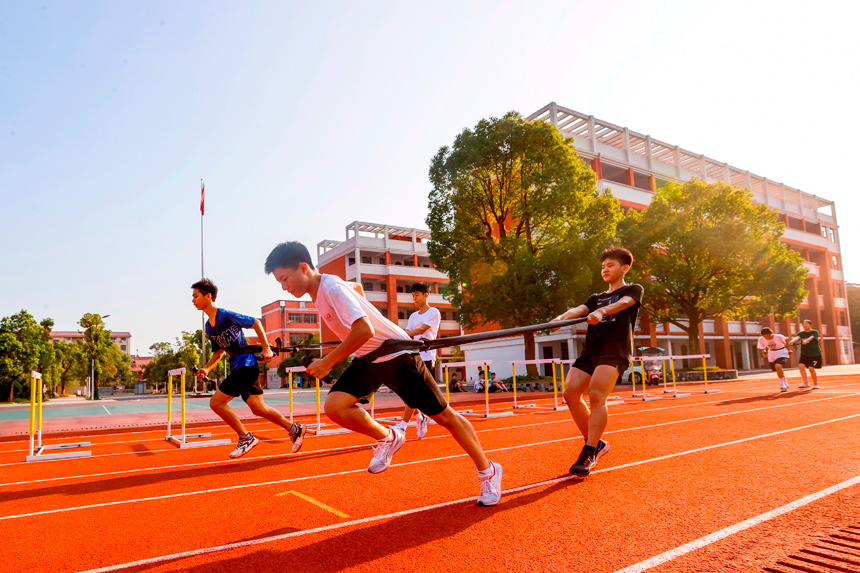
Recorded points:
(587, 363)
(782, 361)
(811, 361)
(242, 382)
(406, 375)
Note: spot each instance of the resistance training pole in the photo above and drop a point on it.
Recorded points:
(183, 441)
(36, 447)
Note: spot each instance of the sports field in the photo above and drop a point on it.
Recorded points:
(749, 479)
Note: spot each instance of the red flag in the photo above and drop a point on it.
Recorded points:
(202, 196)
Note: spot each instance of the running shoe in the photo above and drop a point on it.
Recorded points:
(783, 385)
(401, 425)
(244, 446)
(384, 450)
(491, 486)
(588, 458)
(815, 387)
(804, 385)
(299, 438)
(421, 422)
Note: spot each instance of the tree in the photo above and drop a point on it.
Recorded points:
(70, 364)
(707, 250)
(95, 345)
(22, 355)
(517, 223)
(853, 295)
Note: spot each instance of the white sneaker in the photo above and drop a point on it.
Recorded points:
(815, 387)
(804, 385)
(783, 385)
(384, 450)
(244, 446)
(491, 486)
(421, 422)
(401, 425)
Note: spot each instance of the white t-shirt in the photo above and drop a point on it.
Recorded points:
(776, 347)
(340, 306)
(432, 318)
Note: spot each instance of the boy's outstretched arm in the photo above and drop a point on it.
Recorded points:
(264, 342)
(216, 358)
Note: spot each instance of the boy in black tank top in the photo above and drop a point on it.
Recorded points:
(605, 356)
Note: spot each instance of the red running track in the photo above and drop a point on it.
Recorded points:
(690, 484)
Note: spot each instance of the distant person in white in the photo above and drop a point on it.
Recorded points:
(775, 349)
(423, 324)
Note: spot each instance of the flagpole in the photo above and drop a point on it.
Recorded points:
(202, 275)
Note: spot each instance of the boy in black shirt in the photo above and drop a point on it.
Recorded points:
(605, 355)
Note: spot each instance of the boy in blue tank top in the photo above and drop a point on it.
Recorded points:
(224, 329)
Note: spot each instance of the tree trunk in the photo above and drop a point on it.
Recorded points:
(529, 340)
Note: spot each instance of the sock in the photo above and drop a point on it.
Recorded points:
(487, 472)
(248, 436)
(294, 429)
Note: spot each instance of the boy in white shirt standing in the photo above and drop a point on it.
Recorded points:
(423, 324)
(362, 330)
(775, 349)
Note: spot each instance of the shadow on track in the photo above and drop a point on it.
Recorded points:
(363, 544)
(775, 397)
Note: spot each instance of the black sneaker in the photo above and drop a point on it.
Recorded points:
(588, 458)
(298, 438)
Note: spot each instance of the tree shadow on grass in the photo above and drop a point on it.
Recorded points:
(360, 544)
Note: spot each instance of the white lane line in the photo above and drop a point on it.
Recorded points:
(106, 410)
(738, 527)
(425, 461)
(750, 522)
(362, 446)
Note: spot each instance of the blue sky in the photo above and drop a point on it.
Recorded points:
(303, 117)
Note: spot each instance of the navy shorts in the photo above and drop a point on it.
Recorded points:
(242, 382)
(811, 361)
(407, 375)
(782, 361)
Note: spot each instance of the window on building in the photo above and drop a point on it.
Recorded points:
(295, 317)
(839, 290)
(823, 231)
(832, 235)
(408, 263)
(351, 261)
(443, 315)
(842, 318)
(846, 348)
(122, 347)
(398, 263)
(296, 338)
(367, 286)
(383, 287)
(401, 315)
(614, 173)
(310, 318)
(366, 260)
(399, 289)
(381, 260)
(835, 260)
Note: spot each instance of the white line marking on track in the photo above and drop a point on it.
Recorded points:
(746, 524)
(106, 410)
(738, 527)
(425, 461)
(361, 446)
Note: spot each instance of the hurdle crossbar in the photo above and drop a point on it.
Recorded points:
(182, 441)
(36, 446)
(553, 362)
(610, 400)
(671, 359)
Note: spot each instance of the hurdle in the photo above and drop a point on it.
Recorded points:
(182, 441)
(445, 368)
(486, 364)
(36, 446)
(646, 397)
(610, 400)
(552, 361)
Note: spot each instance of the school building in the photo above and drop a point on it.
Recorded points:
(387, 260)
(635, 166)
(290, 320)
(121, 339)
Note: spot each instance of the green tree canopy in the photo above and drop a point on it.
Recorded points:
(24, 346)
(517, 223)
(707, 250)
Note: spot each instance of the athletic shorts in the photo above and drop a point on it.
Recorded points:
(811, 361)
(406, 375)
(588, 363)
(242, 382)
(781, 361)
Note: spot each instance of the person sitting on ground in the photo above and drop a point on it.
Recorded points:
(496, 385)
(455, 384)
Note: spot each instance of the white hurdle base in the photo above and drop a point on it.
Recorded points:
(686, 395)
(493, 415)
(526, 406)
(186, 444)
(38, 456)
(711, 391)
(463, 412)
(332, 431)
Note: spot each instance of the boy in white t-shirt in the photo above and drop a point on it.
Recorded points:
(775, 349)
(423, 323)
(362, 329)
